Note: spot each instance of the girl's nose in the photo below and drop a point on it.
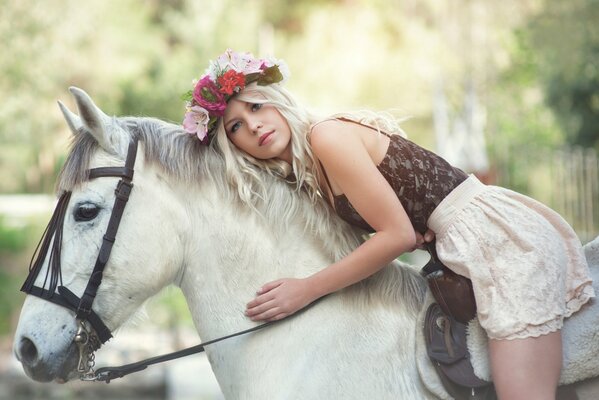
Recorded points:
(255, 126)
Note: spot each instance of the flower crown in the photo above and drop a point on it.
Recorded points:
(224, 78)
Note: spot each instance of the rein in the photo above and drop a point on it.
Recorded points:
(89, 340)
(106, 374)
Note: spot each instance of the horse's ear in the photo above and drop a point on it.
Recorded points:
(72, 119)
(109, 135)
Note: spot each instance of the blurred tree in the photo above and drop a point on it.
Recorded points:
(46, 48)
(520, 114)
(565, 38)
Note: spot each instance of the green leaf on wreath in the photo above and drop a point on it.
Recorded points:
(270, 75)
(208, 95)
(251, 78)
(187, 96)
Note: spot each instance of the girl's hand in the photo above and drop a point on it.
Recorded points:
(278, 299)
(422, 239)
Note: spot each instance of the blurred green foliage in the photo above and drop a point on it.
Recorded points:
(565, 38)
(14, 241)
(9, 300)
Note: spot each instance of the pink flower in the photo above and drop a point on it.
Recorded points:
(196, 122)
(207, 95)
(240, 62)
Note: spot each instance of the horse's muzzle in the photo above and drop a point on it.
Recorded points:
(58, 367)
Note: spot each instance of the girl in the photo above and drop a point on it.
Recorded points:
(526, 264)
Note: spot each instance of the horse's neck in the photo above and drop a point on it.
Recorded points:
(230, 253)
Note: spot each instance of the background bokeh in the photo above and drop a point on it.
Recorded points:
(508, 90)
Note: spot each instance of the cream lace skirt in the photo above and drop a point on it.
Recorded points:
(527, 265)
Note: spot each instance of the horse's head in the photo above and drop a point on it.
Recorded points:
(140, 262)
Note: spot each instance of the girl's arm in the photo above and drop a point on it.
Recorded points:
(347, 162)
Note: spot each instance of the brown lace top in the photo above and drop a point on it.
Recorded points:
(420, 178)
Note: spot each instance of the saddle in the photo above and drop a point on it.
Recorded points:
(451, 291)
(445, 330)
(447, 349)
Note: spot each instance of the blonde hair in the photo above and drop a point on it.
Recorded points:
(243, 171)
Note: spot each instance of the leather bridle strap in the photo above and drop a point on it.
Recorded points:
(122, 192)
(103, 172)
(68, 299)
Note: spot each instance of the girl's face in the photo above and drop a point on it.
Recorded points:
(258, 129)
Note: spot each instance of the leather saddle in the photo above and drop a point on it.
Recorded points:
(447, 349)
(453, 292)
(445, 330)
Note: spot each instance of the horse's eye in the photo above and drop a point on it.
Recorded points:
(86, 212)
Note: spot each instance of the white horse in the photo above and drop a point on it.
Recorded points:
(183, 225)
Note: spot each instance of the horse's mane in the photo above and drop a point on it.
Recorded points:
(183, 158)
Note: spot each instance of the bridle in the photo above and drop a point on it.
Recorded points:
(92, 332)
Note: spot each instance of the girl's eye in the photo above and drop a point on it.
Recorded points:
(256, 106)
(235, 126)
(86, 212)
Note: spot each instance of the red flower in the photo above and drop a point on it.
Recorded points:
(231, 81)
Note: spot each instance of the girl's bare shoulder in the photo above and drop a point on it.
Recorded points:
(333, 134)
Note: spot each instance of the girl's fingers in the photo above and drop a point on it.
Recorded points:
(267, 315)
(278, 317)
(260, 300)
(269, 286)
(429, 235)
(253, 311)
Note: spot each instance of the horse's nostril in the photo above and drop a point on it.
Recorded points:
(28, 352)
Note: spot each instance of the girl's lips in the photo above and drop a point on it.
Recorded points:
(264, 138)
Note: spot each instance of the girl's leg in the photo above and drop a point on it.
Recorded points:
(527, 368)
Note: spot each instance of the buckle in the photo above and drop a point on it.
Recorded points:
(123, 190)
